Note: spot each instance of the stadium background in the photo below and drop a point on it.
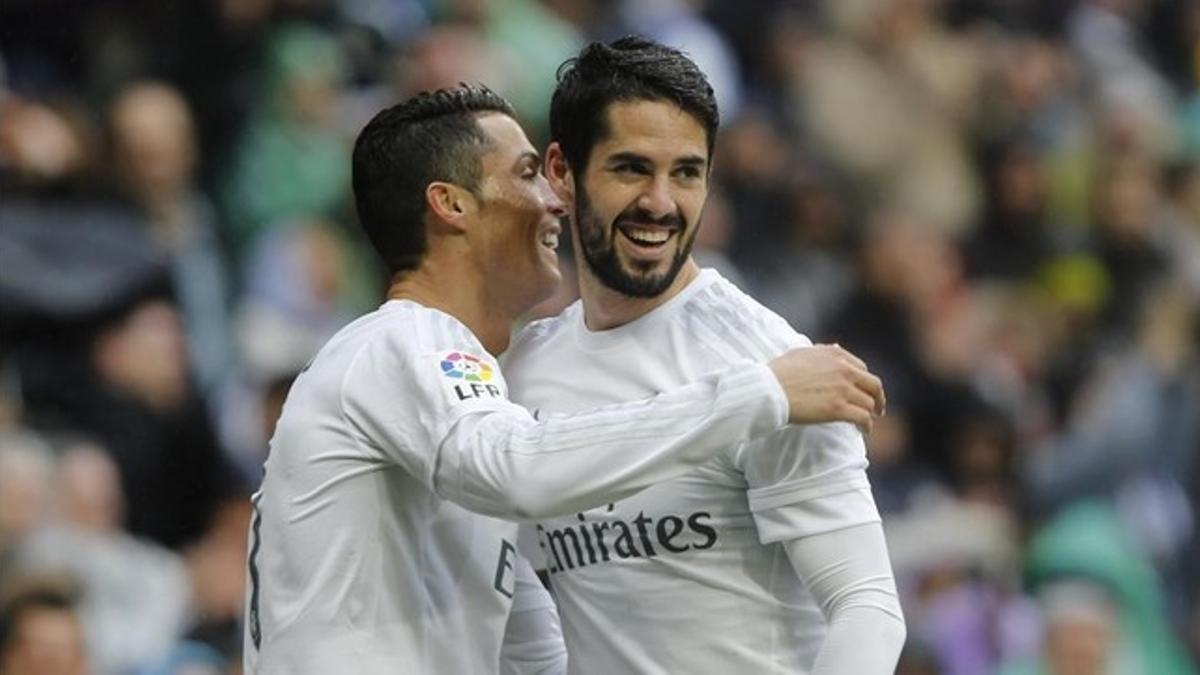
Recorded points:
(996, 203)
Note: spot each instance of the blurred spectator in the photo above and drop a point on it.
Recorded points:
(125, 381)
(752, 163)
(1014, 238)
(134, 595)
(154, 155)
(217, 571)
(961, 590)
(1102, 600)
(899, 481)
(1133, 439)
(807, 277)
(712, 243)
(533, 41)
(292, 159)
(1182, 223)
(26, 488)
(1128, 239)
(883, 94)
(40, 633)
(1116, 62)
(42, 149)
(299, 290)
(453, 52)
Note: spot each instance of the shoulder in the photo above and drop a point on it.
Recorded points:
(725, 312)
(399, 335)
(538, 335)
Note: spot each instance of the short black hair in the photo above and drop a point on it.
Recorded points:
(629, 69)
(433, 136)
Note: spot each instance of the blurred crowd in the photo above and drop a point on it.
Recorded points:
(995, 203)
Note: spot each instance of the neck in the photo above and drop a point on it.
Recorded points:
(465, 299)
(604, 308)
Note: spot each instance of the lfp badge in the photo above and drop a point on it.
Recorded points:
(471, 376)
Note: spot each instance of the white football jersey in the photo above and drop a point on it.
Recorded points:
(361, 558)
(689, 576)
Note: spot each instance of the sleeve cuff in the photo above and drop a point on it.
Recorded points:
(809, 512)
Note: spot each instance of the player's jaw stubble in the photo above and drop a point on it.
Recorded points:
(600, 251)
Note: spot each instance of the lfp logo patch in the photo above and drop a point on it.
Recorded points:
(469, 377)
(465, 367)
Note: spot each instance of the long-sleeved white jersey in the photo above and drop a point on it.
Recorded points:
(368, 550)
(693, 575)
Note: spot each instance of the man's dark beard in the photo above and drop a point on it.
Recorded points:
(600, 251)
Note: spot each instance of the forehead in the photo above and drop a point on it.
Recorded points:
(508, 140)
(652, 128)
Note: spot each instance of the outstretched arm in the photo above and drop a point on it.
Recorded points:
(473, 446)
(514, 466)
(511, 465)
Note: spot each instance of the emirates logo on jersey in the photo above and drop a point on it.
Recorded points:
(591, 542)
(459, 366)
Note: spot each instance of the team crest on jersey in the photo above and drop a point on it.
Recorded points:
(469, 377)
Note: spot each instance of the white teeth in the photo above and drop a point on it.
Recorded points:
(550, 240)
(647, 236)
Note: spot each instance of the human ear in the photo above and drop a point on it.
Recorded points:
(449, 203)
(559, 174)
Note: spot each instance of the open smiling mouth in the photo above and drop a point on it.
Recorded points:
(649, 239)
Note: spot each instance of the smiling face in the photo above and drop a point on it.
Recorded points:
(519, 219)
(639, 201)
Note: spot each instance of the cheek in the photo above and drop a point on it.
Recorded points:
(691, 206)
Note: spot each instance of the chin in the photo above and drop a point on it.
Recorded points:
(546, 287)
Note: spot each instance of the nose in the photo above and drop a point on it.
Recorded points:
(554, 205)
(656, 199)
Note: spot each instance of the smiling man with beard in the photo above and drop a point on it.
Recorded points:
(770, 557)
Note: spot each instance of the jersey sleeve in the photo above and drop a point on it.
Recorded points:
(401, 401)
(850, 577)
(445, 417)
(806, 480)
(513, 466)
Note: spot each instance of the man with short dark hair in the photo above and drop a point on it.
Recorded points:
(727, 568)
(376, 544)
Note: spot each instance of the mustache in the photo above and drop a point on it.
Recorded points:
(641, 216)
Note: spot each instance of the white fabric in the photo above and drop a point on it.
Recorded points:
(689, 576)
(850, 576)
(533, 642)
(362, 557)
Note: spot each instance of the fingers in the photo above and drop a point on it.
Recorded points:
(862, 377)
(847, 355)
(859, 417)
(826, 383)
(872, 386)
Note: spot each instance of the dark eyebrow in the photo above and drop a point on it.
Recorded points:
(630, 157)
(691, 160)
